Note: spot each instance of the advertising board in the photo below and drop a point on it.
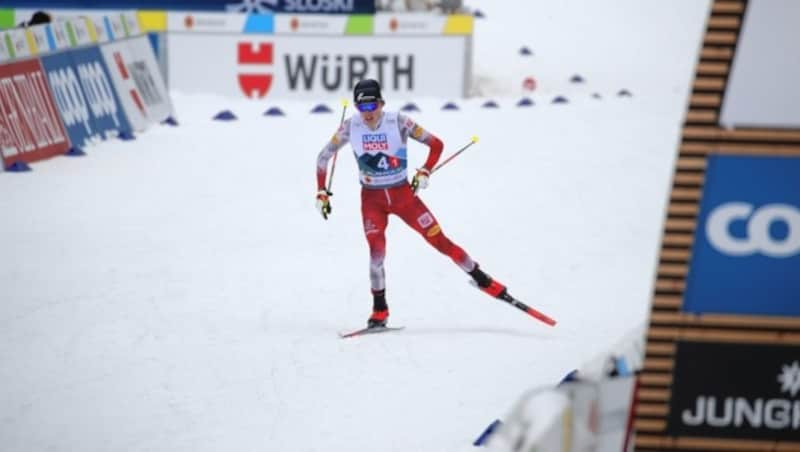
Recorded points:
(277, 67)
(747, 391)
(30, 125)
(746, 252)
(82, 89)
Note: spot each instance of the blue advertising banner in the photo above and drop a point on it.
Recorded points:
(84, 94)
(746, 255)
(241, 6)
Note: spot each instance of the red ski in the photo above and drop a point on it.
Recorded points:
(508, 298)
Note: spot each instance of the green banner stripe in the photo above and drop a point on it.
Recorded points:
(10, 46)
(125, 26)
(359, 24)
(7, 18)
(73, 40)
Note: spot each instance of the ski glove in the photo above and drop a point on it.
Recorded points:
(324, 203)
(420, 180)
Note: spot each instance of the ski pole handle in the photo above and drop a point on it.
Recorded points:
(333, 165)
(472, 141)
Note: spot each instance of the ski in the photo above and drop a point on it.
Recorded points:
(508, 298)
(373, 330)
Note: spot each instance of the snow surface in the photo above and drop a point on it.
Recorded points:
(180, 292)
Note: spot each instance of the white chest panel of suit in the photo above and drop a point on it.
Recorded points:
(381, 153)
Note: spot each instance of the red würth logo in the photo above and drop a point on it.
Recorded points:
(255, 85)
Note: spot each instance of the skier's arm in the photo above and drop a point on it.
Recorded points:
(339, 139)
(409, 128)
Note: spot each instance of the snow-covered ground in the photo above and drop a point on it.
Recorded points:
(180, 292)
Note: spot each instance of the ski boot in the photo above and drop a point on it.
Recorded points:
(378, 319)
(487, 284)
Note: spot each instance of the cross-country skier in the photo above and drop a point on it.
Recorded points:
(379, 139)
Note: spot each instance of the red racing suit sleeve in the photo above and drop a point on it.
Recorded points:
(409, 128)
(337, 141)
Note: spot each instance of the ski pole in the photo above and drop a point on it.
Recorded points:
(472, 141)
(335, 154)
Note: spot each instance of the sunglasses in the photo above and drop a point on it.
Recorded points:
(367, 106)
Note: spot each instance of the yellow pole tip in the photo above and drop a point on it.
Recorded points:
(475, 139)
(344, 102)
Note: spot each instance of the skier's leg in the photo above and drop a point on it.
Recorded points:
(374, 216)
(417, 215)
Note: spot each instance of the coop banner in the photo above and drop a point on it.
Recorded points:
(746, 253)
(82, 89)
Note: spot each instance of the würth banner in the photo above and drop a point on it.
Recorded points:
(30, 125)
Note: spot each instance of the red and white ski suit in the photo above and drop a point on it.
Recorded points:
(381, 154)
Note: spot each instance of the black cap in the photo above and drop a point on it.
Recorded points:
(367, 90)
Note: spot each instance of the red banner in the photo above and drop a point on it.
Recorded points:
(30, 126)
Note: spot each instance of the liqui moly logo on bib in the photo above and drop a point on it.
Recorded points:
(375, 142)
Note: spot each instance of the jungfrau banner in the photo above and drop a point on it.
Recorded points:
(30, 126)
(277, 67)
(82, 89)
(743, 391)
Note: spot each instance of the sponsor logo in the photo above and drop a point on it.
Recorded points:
(145, 83)
(732, 390)
(306, 24)
(369, 227)
(773, 413)
(436, 229)
(746, 252)
(40, 39)
(332, 72)
(337, 72)
(253, 6)
(758, 225)
(407, 25)
(205, 22)
(375, 142)
(20, 45)
(255, 85)
(318, 6)
(69, 89)
(417, 132)
(302, 6)
(123, 72)
(60, 36)
(425, 220)
(28, 119)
